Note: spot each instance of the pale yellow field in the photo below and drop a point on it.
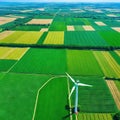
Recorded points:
(54, 38)
(100, 23)
(41, 9)
(98, 11)
(116, 29)
(108, 65)
(115, 92)
(24, 11)
(44, 30)
(17, 53)
(14, 16)
(111, 15)
(5, 34)
(70, 28)
(12, 53)
(4, 20)
(29, 38)
(40, 21)
(114, 65)
(88, 28)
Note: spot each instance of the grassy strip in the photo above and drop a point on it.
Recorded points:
(42, 38)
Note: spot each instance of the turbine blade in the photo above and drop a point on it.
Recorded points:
(71, 91)
(81, 84)
(70, 77)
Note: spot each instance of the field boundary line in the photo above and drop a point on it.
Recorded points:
(37, 96)
(69, 99)
(12, 66)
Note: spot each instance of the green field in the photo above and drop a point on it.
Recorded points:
(94, 99)
(82, 39)
(19, 95)
(83, 60)
(48, 62)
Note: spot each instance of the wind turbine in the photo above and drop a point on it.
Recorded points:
(75, 87)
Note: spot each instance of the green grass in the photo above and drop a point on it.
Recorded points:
(82, 63)
(51, 105)
(18, 95)
(117, 82)
(78, 28)
(111, 37)
(45, 61)
(42, 38)
(94, 99)
(58, 26)
(28, 28)
(5, 65)
(84, 38)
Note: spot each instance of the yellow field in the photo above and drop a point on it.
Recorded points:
(44, 30)
(40, 21)
(114, 65)
(5, 34)
(108, 65)
(12, 53)
(4, 20)
(118, 52)
(100, 23)
(29, 38)
(116, 29)
(54, 38)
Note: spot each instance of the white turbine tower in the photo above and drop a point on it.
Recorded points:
(75, 87)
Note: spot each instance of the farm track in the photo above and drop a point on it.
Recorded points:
(115, 92)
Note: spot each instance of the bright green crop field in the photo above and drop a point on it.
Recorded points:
(82, 39)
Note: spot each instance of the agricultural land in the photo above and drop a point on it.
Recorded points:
(40, 42)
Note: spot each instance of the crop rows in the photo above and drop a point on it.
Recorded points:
(115, 92)
(54, 38)
(81, 63)
(94, 116)
(22, 37)
(96, 98)
(12, 53)
(83, 39)
(108, 65)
